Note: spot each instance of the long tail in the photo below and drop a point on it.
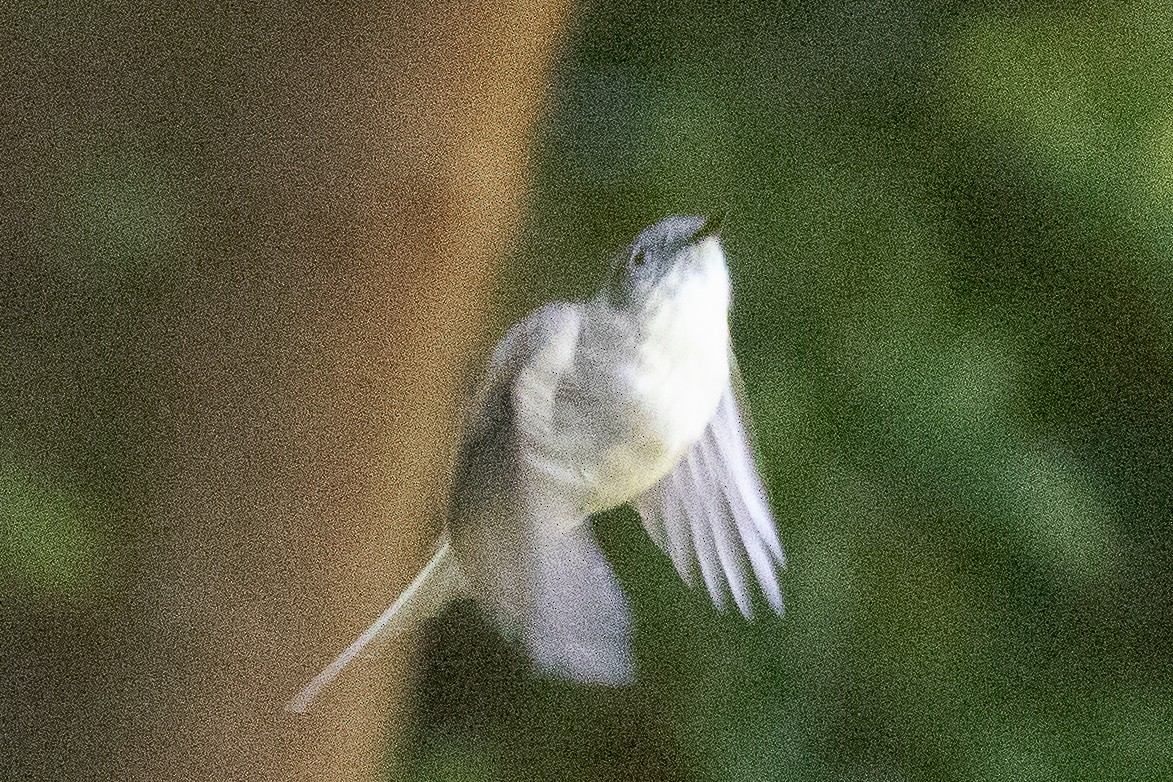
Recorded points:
(436, 583)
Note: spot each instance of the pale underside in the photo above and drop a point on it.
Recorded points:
(523, 495)
(633, 397)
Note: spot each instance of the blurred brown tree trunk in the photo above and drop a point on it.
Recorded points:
(342, 181)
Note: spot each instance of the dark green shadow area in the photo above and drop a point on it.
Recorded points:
(50, 536)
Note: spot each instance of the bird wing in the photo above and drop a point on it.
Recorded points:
(521, 538)
(711, 511)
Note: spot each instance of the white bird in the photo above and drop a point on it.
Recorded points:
(632, 397)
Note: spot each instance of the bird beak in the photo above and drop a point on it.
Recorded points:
(712, 227)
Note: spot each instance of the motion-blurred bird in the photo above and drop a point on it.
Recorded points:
(632, 397)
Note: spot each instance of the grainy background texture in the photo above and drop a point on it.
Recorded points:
(252, 259)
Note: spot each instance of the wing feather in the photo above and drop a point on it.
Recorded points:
(527, 548)
(714, 499)
(664, 506)
(733, 430)
(684, 487)
(725, 532)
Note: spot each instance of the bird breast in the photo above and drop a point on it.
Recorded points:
(665, 390)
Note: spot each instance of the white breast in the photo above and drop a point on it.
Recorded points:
(684, 360)
(666, 389)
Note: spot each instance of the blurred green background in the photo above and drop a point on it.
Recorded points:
(952, 250)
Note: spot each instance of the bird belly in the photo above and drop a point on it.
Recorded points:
(666, 397)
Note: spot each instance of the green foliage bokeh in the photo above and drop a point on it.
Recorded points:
(952, 250)
(951, 242)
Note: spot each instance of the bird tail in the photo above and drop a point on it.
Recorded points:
(437, 582)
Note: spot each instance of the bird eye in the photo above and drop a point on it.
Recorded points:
(639, 258)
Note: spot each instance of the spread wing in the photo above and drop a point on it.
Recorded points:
(711, 511)
(522, 540)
